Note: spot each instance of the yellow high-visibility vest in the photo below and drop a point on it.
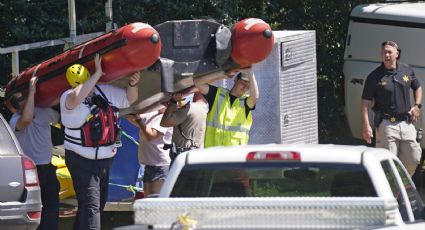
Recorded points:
(227, 125)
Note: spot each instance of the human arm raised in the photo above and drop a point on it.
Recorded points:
(254, 93)
(148, 132)
(28, 111)
(202, 83)
(174, 115)
(132, 89)
(79, 93)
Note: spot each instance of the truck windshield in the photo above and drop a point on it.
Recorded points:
(273, 180)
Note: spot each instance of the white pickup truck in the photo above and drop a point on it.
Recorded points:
(280, 186)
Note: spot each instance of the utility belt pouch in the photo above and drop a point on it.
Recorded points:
(173, 150)
(377, 119)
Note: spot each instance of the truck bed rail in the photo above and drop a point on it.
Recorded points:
(267, 213)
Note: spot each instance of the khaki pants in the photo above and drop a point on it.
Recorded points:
(400, 138)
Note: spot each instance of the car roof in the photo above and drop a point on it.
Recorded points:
(406, 11)
(308, 152)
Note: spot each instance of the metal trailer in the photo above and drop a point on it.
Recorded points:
(286, 111)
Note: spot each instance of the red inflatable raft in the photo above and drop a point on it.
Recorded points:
(129, 49)
(252, 41)
(195, 48)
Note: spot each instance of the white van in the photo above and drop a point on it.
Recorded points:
(369, 26)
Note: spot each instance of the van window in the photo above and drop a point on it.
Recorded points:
(273, 180)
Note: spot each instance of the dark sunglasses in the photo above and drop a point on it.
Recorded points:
(15, 101)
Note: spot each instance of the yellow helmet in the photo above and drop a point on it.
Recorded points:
(77, 74)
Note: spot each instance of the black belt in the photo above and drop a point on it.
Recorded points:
(396, 117)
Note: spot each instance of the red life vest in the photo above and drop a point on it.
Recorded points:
(101, 127)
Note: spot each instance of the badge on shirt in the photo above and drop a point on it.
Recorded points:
(405, 78)
(383, 83)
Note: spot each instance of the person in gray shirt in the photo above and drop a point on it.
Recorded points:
(32, 129)
(189, 121)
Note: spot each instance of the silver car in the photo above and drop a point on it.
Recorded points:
(20, 202)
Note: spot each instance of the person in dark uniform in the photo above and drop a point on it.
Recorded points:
(387, 88)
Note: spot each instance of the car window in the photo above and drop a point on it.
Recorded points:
(412, 193)
(7, 145)
(273, 180)
(395, 188)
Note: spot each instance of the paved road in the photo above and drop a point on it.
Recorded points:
(110, 220)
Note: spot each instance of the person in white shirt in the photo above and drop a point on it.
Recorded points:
(152, 154)
(89, 115)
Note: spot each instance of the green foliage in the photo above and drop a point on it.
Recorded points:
(25, 21)
(31, 21)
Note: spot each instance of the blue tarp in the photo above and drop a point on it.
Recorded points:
(125, 166)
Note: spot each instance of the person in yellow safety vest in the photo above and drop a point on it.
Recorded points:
(229, 117)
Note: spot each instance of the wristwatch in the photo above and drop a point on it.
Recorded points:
(419, 106)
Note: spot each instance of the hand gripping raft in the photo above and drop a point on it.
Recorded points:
(126, 50)
(194, 48)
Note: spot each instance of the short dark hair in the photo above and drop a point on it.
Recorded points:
(393, 44)
(390, 43)
(242, 76)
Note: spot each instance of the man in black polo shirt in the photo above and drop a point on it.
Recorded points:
(388, 86)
